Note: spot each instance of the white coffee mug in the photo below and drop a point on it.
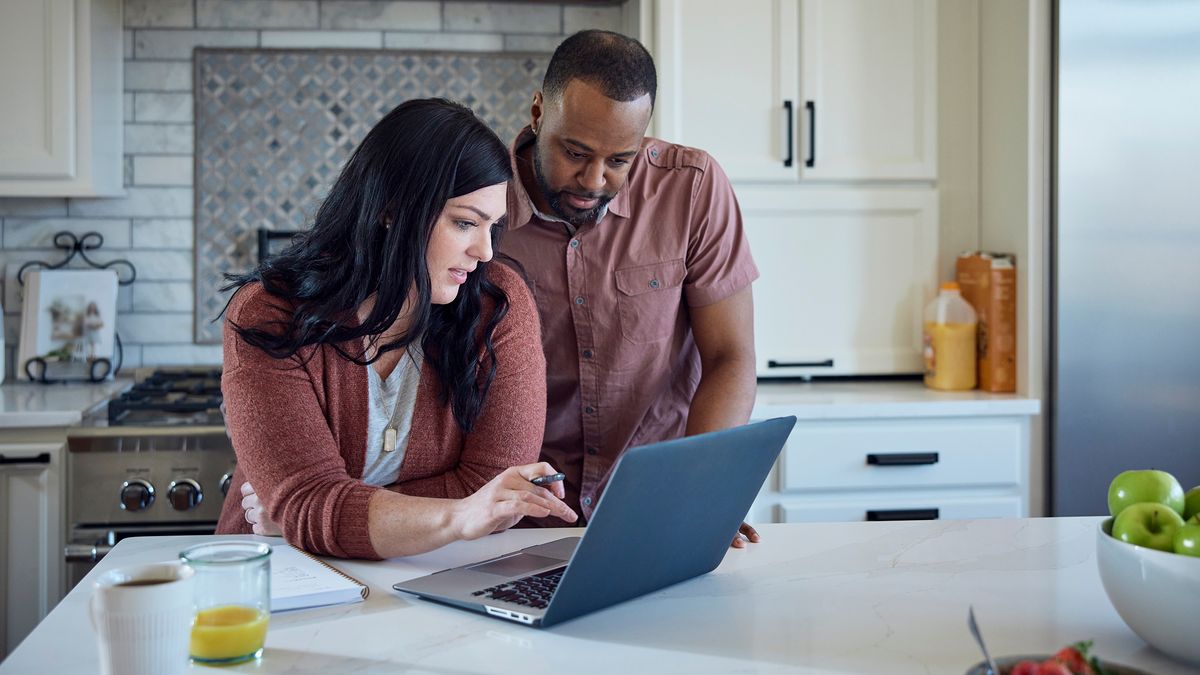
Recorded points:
(143, 618)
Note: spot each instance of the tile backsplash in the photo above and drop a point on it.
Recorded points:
(152, 226)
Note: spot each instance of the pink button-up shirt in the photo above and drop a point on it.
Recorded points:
(621, 362)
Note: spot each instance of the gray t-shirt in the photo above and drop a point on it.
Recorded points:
(391, 406)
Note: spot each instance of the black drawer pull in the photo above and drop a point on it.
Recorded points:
(791, 142)
(43, 458)
(811, 106)
(884, 515)
(827, 363)
(902, 458)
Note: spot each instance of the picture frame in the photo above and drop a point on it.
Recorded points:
(68, 323)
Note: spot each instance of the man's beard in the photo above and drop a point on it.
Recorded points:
(554, 198)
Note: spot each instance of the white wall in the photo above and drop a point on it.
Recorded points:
(1014, 187)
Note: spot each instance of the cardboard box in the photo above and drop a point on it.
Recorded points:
(989, 282)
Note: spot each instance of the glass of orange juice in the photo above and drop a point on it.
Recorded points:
(233, 600)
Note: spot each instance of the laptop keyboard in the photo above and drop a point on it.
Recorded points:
(531, 591)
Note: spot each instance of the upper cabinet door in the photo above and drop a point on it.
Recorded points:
(869, 85)
(37, 139)
(725, 72)
(61, 129)
(791, 90)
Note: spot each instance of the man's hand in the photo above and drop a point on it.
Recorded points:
(746, 533)
(508, 498)
(255, 515)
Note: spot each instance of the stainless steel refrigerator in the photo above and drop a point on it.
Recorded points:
(1125, 284)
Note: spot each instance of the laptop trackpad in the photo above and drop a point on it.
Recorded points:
(516, 565)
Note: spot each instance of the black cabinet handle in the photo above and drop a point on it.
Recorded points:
(827, 363)
(43, 458)
(791, 141)
(811, 107)
(884, 515)
(902, 458)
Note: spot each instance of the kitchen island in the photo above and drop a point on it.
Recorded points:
(811, 598)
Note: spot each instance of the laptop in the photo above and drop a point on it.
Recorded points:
(668, 514)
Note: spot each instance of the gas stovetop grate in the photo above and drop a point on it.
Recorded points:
(170, 397)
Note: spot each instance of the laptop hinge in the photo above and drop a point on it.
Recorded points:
(509, 614)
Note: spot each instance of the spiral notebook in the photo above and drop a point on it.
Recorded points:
(300, 581)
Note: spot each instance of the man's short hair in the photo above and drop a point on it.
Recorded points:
(619, 66)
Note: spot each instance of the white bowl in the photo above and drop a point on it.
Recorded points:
(1156, 593)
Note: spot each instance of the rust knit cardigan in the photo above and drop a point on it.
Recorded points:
(299, 426)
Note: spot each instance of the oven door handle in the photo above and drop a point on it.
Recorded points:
(40, 458)
(85, 553)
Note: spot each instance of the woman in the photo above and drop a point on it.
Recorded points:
(384, 384)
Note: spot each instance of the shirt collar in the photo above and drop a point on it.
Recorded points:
(520, 206)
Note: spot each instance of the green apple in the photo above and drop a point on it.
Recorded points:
(1187, 538)
(1147, 485)
(1191, 502)
(1148, 524)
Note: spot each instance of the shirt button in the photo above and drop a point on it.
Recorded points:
(587, 353)
(589, 410)
(654, 152)
(587, 501)
(654, 283)
(579, 300)
(592, 451)
(574, 243)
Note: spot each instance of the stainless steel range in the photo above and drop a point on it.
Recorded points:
(157, 461)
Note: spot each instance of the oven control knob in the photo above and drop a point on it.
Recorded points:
(226, 480)
(184, 494)
(136, 495)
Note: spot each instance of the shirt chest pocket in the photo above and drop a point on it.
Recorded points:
(648, 300)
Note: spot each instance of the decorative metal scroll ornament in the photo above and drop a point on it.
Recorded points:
(38, 368)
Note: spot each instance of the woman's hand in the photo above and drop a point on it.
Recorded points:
(255, 515)
(508, 498)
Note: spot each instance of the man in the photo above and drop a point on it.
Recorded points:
(636, 256)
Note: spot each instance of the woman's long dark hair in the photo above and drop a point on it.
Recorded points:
(421, 154)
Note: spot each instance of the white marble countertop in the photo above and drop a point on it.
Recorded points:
(812, 598)
(40, 405)
(881, 399)
(29, 404)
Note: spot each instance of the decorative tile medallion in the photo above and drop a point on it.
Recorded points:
(273, 128)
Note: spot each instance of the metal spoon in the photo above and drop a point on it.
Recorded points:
(979, 640)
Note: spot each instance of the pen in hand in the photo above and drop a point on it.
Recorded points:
(548, 478)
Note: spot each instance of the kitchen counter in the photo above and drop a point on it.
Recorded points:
(881, 399)
(28, 404)
(823, 597)
(39, 405)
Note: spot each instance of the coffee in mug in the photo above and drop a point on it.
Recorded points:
(143, 618)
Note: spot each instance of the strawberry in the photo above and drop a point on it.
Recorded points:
(1052, 667)
(1073, 658)
(1026, 668)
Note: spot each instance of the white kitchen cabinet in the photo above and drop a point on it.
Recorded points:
(801, 90)
(898, 468)
(844, 278)
(31, 549)
(61, 130)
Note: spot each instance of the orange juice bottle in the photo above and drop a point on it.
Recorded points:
(949, 342)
